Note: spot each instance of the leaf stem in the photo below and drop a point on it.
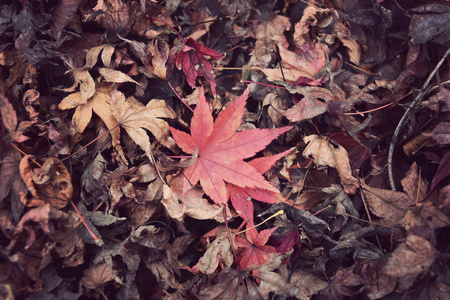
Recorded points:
(179, 97)
(278, 213)
(88, 144)
(97, 240)
(269, 85)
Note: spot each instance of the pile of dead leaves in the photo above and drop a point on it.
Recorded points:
(224, 149)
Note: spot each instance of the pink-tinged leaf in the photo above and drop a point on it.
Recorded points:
(242, 204)
(229, 120)
(265, 196)
(247, 143)
(183, 140)
(253, 251)
(305, 109)
(213, 168)
(241, 197)
(202, 49)
(202, 122)
(263, 164)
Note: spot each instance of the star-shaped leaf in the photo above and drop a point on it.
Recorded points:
(222, 150)
(253, 250)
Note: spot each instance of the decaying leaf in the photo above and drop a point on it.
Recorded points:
(325, 154)
(307, 61)
(190, 203)
(50, 183)
(96, 276)
(409, 260)
(218, 252)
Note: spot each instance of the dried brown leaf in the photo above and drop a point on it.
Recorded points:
(325, 154)
(96, 276)
(135, 117)
(409, 260)
(50, 183)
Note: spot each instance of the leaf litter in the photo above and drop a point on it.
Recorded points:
(224, 150)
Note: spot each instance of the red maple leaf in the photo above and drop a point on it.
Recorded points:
(253, 251)
(193, 62)
(240, 196)
(222, 150)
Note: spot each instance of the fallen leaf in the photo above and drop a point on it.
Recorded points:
(241, 197)
(313, 103)
(325, 154)
(409, 260)
(190, 203)
(135, 117)
(192, 59)
(429, 23)
(218, 252)
(345, 283)
(96, 276)
(253, 251)
(307, 61)
(221, 149)
(154, 56)
(50, 183)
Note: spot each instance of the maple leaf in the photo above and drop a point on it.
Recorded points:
(307, 62)
(253, 251)
(240, 196)
(221, 149)
(135, 116)
(193, 62)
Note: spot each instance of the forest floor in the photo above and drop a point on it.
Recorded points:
(224, 149)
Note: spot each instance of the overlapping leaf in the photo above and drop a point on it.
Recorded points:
(222, 150)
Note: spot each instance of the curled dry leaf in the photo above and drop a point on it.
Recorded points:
(218, 252)
(50, 183)
(325, 154)
(67, 242)
(154, 56)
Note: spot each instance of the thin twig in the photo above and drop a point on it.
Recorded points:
(179, 97)
(405, 116)
(370, 218)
